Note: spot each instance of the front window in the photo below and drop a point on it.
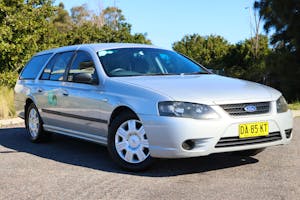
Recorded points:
(146, 62)
(83, 64)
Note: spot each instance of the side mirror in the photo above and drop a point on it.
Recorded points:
(84, 78)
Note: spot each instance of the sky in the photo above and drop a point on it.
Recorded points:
(167, 21)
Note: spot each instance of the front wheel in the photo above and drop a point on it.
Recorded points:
(128, 143)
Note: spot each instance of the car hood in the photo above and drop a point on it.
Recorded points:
(207, 88)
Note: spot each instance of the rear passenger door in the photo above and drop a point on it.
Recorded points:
(50, 92)
(84, 103)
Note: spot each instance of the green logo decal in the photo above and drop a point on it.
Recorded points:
(52, 100)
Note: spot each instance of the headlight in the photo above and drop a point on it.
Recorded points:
(281, 105)
(187, 110)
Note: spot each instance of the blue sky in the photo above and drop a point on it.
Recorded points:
(167, 21)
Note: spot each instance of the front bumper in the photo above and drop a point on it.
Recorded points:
(166, 134)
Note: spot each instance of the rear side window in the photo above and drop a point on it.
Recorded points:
(34, 66)
(56, 68)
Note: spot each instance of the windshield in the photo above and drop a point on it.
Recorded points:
(146, 62)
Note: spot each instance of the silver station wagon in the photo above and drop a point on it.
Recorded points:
(145, 102)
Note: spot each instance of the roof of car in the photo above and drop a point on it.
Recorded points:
(97, 47)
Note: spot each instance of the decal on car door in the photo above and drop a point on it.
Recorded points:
(52, 100)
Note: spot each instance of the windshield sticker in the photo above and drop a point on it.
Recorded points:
(104, 53)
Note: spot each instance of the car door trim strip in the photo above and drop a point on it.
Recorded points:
(74, 116)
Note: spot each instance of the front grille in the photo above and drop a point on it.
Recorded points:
(239, 109)
(236, 141)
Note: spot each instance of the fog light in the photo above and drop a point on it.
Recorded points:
(288, 133)
(188, 144)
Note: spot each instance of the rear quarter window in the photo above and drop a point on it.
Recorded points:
(34, 66)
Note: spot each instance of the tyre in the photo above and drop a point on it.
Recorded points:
(34, 125)
(251, 152)
(128, 143)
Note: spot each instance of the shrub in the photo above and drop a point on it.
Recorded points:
(8, 79)
(7, 109)
(295, 105)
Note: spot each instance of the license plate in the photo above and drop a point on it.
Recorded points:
(253, 129)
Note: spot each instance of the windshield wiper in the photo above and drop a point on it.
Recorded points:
(158, 74)
(168, 74)
(195, 73)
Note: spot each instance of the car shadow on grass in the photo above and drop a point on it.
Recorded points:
(81, 153)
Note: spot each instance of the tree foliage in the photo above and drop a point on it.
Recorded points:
(27, 27)
(80, 14)
(23, 27)
(209, 51)
(283, 17)
(113, 18)
(245, 59)
(253, 59)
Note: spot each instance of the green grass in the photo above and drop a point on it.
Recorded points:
(295, 105)
(7, 108)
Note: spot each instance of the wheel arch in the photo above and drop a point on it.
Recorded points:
(118, 110)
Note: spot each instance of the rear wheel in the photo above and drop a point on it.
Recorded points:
(251, 152)
(128, 143)
(34, 125)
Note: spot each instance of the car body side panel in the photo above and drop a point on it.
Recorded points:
(24, 89)
(83, 109)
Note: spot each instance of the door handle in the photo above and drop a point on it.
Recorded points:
(65, 93)
(104, 100)
(40, 90)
